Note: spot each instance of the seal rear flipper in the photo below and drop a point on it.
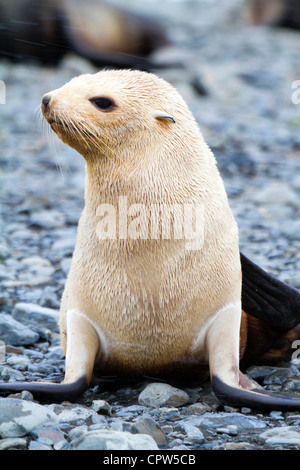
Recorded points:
(229, 384)
(267, 298)
(46, 390)
(254, 398)
(81, 350)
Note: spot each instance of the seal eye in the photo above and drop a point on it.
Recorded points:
(105, 104)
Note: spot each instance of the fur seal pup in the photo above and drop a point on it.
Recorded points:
(137, 299)
(103, 33)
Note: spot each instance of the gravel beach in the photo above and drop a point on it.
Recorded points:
(238, 81)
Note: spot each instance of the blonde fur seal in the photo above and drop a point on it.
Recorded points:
(144, 305)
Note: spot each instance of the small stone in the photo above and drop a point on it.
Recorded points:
(222, 419)
(47, 219)
(245, 410)
(171, 414)
(4, 250)
(64, 246)
(75, 414)
(8, 374)
(15, 333)
(20, 417)
(17, 360)
(33, 314)
(276, 415)
(236, 446)
(113, 440)
(77, 432)
(116, 424)
(62, 445)
(161, 394)
(101, 406)
(231, 429)
(25, 395)
(149, 426)
(13, 442)
(292, 229)
(193, 433)
(277, 193)
(197, 408)
(130, 410)
(174, 443)
(54, 436)
(281, 436)
(34, 445)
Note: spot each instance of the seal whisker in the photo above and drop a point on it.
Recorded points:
(93, 139)
(46, 130)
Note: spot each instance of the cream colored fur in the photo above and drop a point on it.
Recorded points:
(149, 298)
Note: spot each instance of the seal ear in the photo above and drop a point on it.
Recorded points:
(161, 115)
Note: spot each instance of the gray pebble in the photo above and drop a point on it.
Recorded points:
(36, 315)
(277, 193)
(73, 413)
(20, 417)
(221, 419)
(15, 333)
(281, 435)
(149, 426)
(193, 433)
(162, 394)
(101, 406)
(35, 445)
(113, 440)
(13, 442)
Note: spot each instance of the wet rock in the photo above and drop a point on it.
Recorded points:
(19, 417)
(113, 440)
(161, 394)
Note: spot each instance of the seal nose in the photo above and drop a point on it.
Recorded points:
(45, 101)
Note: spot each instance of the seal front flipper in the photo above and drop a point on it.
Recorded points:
(81, 350)
(267, 298)
(229, 384)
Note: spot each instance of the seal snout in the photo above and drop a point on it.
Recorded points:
(45, 102)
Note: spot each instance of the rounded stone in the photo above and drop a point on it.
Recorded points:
(113, 440)
(20, 417)
(161, 394)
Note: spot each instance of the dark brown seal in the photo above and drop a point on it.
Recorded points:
(103, 33)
